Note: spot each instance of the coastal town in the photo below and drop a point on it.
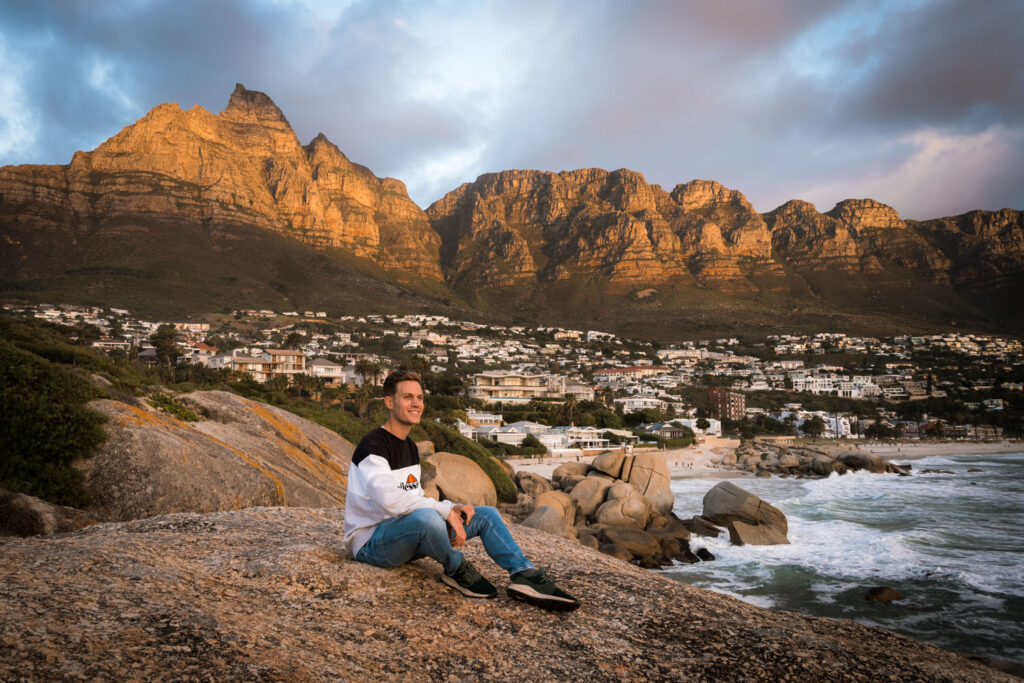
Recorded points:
(828, 385)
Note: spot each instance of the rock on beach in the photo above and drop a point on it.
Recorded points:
(749, 519)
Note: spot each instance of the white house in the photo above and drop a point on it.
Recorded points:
(632, 404)
(714, 426)
(329, 371)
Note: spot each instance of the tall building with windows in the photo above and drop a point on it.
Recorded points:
(726, 405)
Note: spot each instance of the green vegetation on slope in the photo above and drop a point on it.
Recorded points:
(177, 268)
(44, 425)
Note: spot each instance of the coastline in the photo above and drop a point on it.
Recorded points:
(826, 550)
(703, 459)
(909, 450)
(696, 461)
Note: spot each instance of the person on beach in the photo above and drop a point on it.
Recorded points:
(389, 521)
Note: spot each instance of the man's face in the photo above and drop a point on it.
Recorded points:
(406, 405)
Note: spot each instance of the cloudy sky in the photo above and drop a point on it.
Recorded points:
(916, 104)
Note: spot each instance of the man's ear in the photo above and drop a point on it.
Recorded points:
(389, 402)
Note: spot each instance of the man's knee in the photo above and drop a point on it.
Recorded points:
(427, 520)
(488, 514)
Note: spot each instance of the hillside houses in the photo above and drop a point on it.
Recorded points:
(506, 386)
(515, 364)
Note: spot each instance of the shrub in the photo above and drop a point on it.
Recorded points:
(506, 449)
(531, 442)
(45, 427)
(173, 406)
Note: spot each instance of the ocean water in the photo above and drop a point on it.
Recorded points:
(952, 544)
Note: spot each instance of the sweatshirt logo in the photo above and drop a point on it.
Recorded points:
(410, 483)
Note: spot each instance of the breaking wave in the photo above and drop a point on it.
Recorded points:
(953, 544)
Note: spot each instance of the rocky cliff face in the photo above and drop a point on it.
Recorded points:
(530, 226)
(857, 236)
(988, 245)
(265, 594)
(244, 166)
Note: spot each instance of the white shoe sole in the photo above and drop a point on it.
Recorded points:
(527, 594)
(462, 589)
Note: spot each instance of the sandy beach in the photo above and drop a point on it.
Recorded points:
(914, 450)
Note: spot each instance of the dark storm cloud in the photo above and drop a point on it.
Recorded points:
(151, 52)
(818, 100)
(960, 63)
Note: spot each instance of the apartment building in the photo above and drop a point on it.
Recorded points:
(725, 404)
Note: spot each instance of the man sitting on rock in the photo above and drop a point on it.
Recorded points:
(389, 521)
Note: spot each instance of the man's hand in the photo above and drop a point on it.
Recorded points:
(457, 519)
(455, 524)
(466, 511)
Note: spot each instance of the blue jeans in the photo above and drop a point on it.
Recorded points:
(423, 533)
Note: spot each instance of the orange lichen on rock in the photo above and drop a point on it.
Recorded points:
(261, 468)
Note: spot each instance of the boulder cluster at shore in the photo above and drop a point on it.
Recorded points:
(764, 458)
(622, 504)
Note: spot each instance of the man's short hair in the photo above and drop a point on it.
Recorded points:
(393, 378)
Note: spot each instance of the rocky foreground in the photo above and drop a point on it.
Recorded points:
(266, 594)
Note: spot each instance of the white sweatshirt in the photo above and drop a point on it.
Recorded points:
(383, 483)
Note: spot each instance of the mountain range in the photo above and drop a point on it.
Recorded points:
(186, 211)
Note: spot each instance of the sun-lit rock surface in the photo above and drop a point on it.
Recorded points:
(243, 167)
(240, 453)
(266, 594)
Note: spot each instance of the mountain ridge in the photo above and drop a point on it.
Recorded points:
(182, 193)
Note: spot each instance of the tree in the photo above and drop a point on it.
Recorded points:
(164, 341)
(294, 340)
(365, 368)
(337, 394)
(702, 423)
(532, 441)
(45, 427)
(364, 394)
(307, 385)
(569, 409)
(417, 363)
(936, 430)
(277, 383)
(878, 430)
(814, 427)
(447, 383)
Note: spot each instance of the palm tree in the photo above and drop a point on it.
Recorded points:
(377, 371)
(364, 394)
(365, 368)
(569, 409)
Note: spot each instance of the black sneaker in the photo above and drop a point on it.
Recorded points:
(468, 581)
(541, 591)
